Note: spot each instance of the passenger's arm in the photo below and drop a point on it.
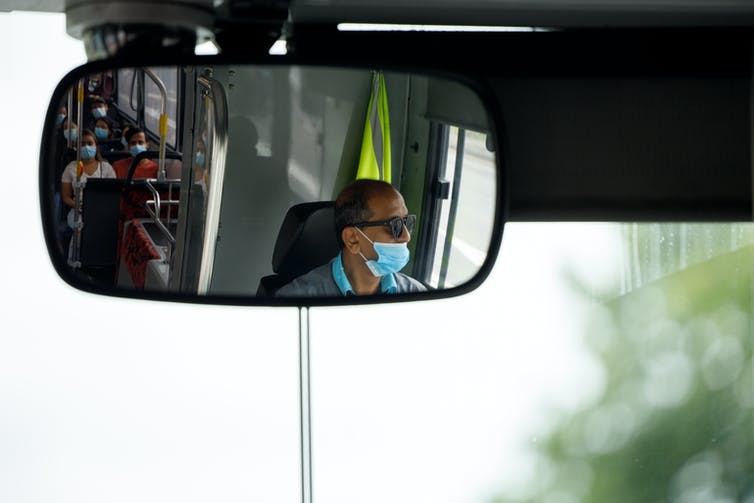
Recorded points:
(66, 192)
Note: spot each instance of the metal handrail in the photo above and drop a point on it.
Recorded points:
(218, 138)
(163, 120)
(74, 260)
(69, 117)
(155, 215)
(131, 93)
(157, 211)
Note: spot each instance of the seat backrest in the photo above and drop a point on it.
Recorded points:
(307, 239)
(100, 213)
(112, 144)
(114, 155)
(132, 204)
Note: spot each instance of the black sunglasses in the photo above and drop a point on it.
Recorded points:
(396, 224)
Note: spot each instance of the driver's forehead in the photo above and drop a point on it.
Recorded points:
(138, 137)
(386, 204)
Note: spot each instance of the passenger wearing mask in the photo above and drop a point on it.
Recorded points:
(123, 137)
(100, 85)
(63, 155)
(374, 228)
(102, 130)
(137, 143)
(73, 132)
(66, 148)
(99, 110)
(61, 116)
(61, 144)
(200, 164)
(91, 166)
(104, 134)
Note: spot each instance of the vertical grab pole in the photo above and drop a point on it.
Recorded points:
(69, 116)
(305, 406)
(460, 144)
(79, 117)
(163, 120)
(78, 186)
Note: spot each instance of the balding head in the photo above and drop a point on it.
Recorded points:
(353, 202)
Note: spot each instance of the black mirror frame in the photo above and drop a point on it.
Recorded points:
(405, 63)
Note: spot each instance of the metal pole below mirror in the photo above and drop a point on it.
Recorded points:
(305, 406)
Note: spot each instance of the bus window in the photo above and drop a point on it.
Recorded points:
(127, 93)
(464, 228)
(153, 102)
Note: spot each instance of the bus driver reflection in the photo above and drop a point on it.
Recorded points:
(374, 229)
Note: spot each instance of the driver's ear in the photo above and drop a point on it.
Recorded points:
(350, 239)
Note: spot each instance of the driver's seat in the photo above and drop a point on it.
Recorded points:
(307, 239)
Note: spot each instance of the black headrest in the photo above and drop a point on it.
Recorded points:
(306, 239)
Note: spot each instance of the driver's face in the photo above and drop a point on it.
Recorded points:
(384, 206)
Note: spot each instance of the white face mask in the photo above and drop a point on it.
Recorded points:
(391, 257)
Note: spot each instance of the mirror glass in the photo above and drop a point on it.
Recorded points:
(264, 181)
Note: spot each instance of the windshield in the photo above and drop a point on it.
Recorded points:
(613, 365)
(598, 362)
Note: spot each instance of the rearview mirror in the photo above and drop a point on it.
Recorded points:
(225, 183)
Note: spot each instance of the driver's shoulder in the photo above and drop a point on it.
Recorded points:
(408, 284)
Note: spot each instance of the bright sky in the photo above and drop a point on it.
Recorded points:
(114, 400)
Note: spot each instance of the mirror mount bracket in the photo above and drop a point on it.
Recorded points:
(111, 28)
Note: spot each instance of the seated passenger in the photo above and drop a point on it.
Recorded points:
(123, 135)
(374, 229)
(66, 149)
(103, 132)
(137, 143)
(61, 116)
(100, 85)
(74, 132)
(99, 110)
(200, 169)
(92, 165)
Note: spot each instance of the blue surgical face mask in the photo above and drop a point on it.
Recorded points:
(100, 133)
(200, 158)
(123, 141)
(98, 112)
(73, 134)
(137, 149)
(60, 118)
(391, 257)
(88, 152)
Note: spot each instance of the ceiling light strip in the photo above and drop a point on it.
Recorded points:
(434, 27)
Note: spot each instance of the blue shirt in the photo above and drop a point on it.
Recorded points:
(387, 282)
(329, 280)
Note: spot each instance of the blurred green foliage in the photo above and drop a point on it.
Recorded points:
(674, 422)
